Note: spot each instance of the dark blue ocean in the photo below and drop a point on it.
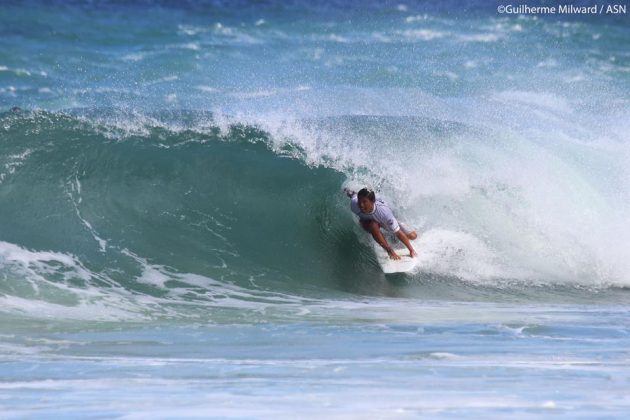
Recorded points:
(174, 240)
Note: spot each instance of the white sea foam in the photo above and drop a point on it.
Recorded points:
(338, 38)
(233, 35)
(207, 89)
(544, 100)
(417, 18)
(164, 79)
(63, 299)
(135, 56)
(421, 34)
(487, 37)
(462, 255)
(549, 63)
(256, 94)
(102, 310)
(16, 71)
(11, 253)
(54, 294)
(194, 46)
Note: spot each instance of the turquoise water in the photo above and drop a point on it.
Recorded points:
(174, 241)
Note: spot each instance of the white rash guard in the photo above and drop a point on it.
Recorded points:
(381, 213)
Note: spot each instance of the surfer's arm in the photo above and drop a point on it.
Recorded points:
(405, 240)
(383, 242)
(378, 237)
(375, 229)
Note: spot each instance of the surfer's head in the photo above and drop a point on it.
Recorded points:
(366, 199)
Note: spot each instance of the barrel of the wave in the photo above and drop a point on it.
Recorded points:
(393, 243)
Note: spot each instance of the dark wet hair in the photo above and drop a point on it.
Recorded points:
(367, 192)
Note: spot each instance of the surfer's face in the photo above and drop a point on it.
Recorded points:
(366, 205)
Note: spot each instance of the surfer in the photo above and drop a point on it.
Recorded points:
(375, 214)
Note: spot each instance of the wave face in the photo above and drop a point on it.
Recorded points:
(188, 160)
(217, 215)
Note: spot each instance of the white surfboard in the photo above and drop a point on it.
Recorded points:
(389, 266)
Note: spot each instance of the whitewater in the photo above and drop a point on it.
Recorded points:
(174, 240)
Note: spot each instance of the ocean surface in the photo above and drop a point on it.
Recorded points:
(174, 240)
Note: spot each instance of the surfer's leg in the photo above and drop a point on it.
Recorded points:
(411, 234)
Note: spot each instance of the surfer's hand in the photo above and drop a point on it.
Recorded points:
(413, 253)
(393, 255)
